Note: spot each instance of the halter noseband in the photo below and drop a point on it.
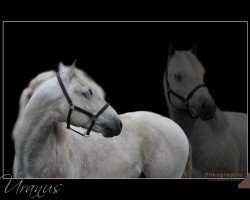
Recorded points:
(72, 107)
(186, 99)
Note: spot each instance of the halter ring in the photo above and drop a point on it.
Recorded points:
(72, 107)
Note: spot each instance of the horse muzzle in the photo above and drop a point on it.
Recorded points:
(112, 128)
(207, 111)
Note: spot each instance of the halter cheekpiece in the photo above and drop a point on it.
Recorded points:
(73, 107)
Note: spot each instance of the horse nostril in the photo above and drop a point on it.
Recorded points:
(203, 105)
(120, 125)
(208, 107)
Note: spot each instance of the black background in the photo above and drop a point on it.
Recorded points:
(127, 59)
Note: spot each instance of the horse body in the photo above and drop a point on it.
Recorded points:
(219, 144)
(149, 144)
(160, 152)
(216, 151)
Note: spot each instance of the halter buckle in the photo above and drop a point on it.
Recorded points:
(86, 135)
(94, 118)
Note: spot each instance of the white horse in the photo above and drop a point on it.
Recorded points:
(149, 144)
(218, 138)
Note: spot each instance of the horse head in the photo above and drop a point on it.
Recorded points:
(83, 92)
(184, 78)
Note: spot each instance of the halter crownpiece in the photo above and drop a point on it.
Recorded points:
(72, 108)
(186, 99)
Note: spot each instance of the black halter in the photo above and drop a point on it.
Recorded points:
(72, 107)
(186, 99)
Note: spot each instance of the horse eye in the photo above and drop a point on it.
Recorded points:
(178, 77)
(87, 93)
(90, 92)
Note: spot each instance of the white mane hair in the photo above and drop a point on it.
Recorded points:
(33, 85)
(79, 74)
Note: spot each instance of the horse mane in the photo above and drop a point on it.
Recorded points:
(33, 85)
(28, 92)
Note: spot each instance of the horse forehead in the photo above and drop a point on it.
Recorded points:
(185, 60)
(195, 63)
(83, 82)
(87, 82)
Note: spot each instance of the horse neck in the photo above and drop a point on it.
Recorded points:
(37, 124)
(181, 118)
(178, 115)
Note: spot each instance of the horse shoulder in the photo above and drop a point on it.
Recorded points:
(237, 124)
(154, 125)
(237, 121)
(163, 144)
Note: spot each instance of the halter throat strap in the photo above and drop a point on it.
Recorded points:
(72, 107)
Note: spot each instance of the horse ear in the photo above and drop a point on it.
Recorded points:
(61, 67)
(194, 49)
(171, 50)
(71, 71)
(73, 64)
